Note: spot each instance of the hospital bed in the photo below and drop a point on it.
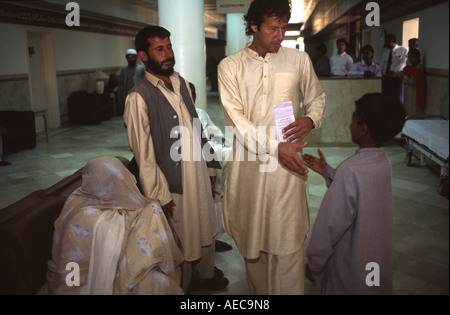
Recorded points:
(430, 136)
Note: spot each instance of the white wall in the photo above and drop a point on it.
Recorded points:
(13, 53)
(117, 8)
(84, 50)
(433, 35)
(74, 50)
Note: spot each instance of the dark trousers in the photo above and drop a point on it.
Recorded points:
(393, 86)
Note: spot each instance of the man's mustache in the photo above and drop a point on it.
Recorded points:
(167, 60)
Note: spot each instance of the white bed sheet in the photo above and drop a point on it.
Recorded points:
(432, 133)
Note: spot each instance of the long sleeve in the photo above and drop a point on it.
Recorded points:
(400, 59)
(250, 86)
(356, 70)
(328, 173)
(152, 179)
(313, 94)
(233, 106)
(335, 217)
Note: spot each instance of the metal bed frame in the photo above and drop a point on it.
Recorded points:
(426, 152)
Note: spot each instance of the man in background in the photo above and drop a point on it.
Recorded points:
(392, 63)
(366, 67)
(341, 62)
(129, 75)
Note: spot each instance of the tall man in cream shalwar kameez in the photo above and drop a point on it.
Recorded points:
(265, 208)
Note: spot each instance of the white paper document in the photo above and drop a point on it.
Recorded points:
(284, 116)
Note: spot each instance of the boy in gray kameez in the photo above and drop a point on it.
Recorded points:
(350, 250)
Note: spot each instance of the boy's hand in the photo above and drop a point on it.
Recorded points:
(314, 163)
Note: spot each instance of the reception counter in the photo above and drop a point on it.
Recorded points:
(342, 92)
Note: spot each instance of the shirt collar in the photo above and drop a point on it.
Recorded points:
(255, 55)
(155, 80)
(374, 149)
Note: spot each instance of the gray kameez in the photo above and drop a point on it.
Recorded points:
(354, 227)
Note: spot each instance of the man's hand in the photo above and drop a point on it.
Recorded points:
(316, 164)
(287, 155)
(298, 130)
(213, 181)
(168, 209)
(310, 275)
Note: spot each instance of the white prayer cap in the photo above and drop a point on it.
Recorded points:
(131, 52)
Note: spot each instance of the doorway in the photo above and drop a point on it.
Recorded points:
(410, 30)
(42, 79)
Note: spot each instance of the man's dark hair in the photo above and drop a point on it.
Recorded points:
(391, 37)
(259, 9)
(413, 42)
(322, 48)
(367, 47)
(141, 41)
(341, 40)
(384, 115)
(414, 52)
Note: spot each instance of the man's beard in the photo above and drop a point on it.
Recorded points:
(156, 67)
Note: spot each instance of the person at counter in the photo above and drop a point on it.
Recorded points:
(392, 63)
(322, 62)
(366, 67)
(341, 62)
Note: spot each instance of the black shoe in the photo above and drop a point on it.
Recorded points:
(212, 284)
(4, 163)
(218, 273)
(222, 246)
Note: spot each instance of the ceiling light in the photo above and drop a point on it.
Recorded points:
(292, 33)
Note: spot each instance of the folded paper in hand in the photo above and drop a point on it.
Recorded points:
(284, 116)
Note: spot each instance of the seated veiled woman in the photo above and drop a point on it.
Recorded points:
(121, 241)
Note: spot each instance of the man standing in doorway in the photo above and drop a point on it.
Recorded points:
(128, 77)
(392, 63)
(266, 213)
(164, 137)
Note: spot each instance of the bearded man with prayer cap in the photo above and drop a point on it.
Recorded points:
(128, 77)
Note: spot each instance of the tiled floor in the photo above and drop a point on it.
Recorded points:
(421, 240)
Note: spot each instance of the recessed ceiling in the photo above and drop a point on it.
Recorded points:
(301, 8)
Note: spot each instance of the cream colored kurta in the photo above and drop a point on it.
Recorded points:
(266, 211)
(194, 217)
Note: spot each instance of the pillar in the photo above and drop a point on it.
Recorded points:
(185, 21)
(236, 38)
